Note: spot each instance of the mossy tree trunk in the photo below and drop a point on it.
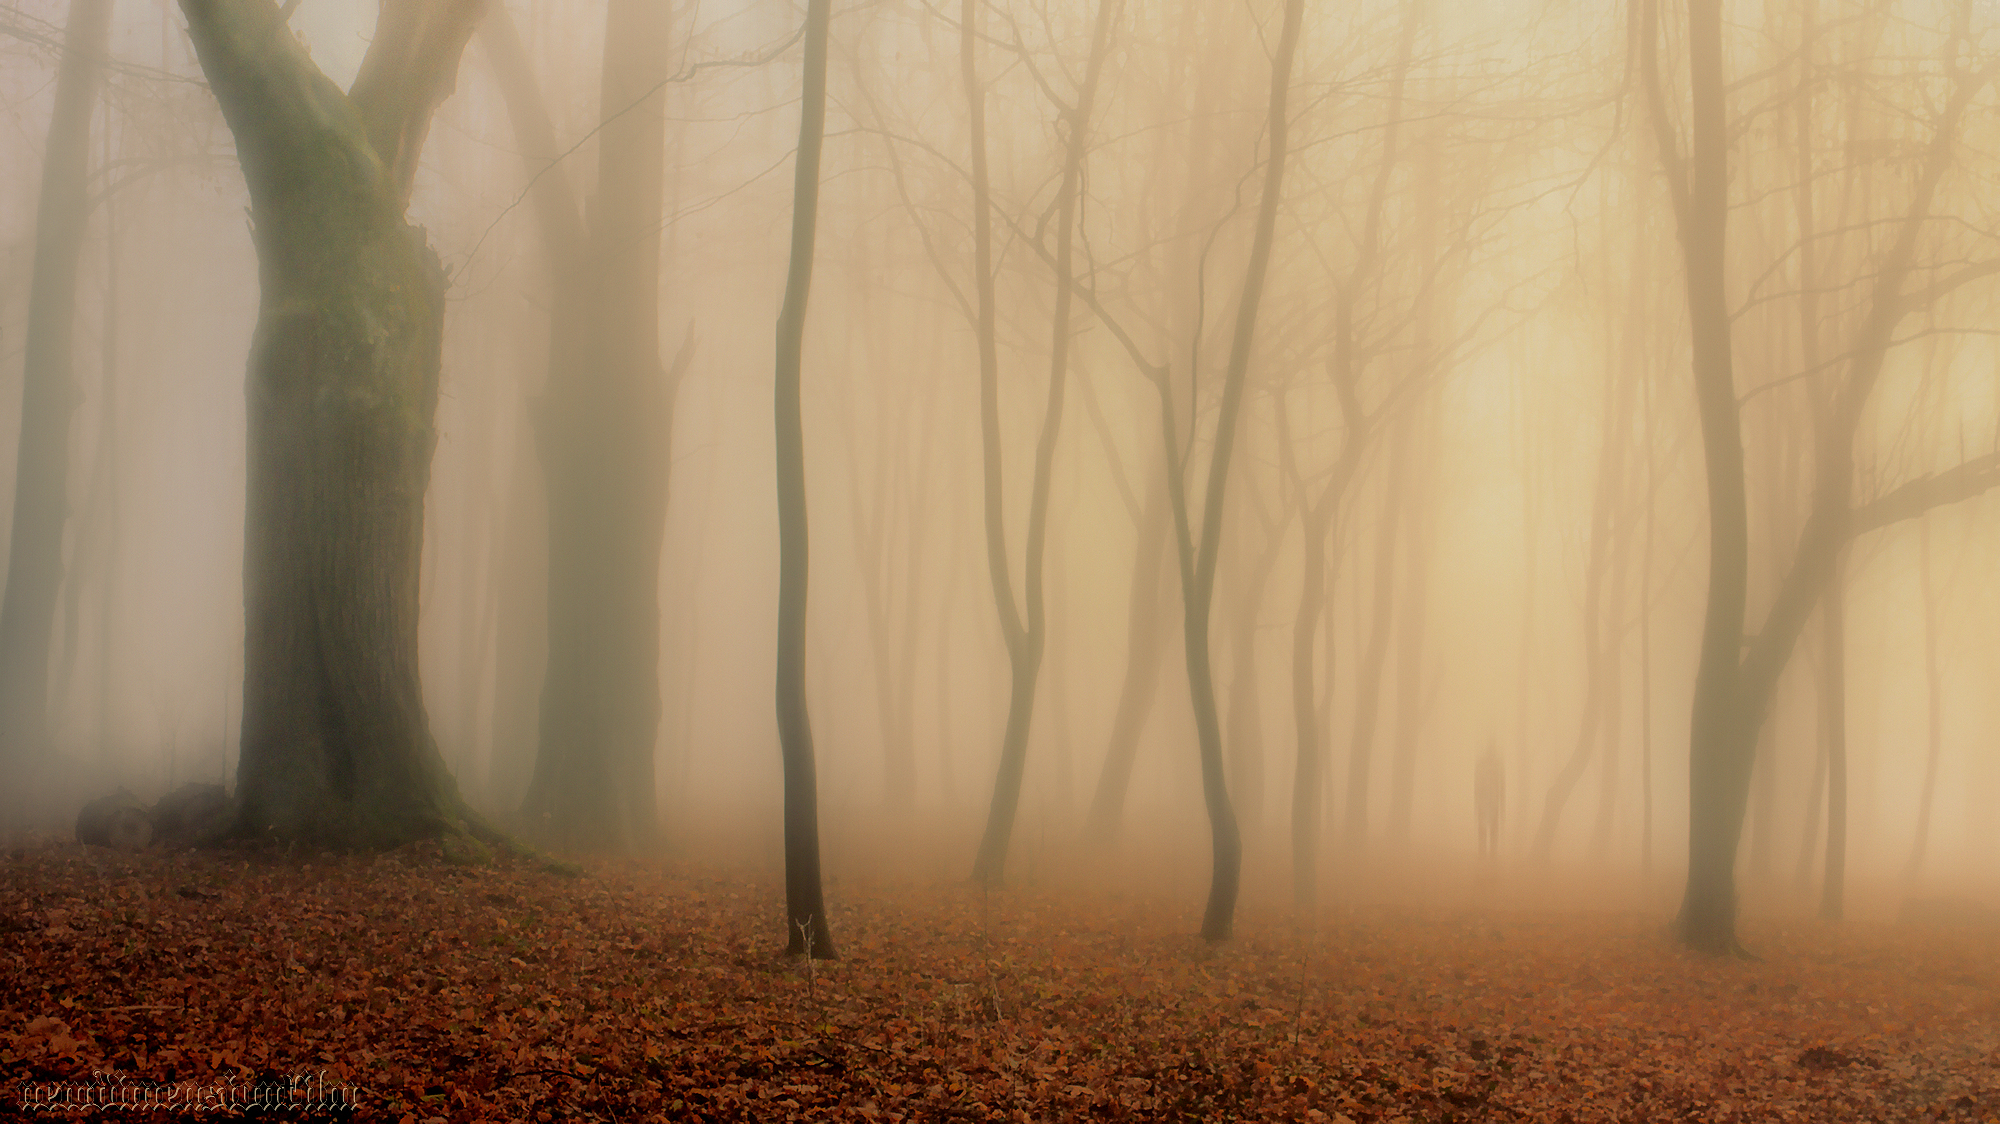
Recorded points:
(48, 393)
(342, 388)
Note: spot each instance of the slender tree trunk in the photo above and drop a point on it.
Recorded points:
(1815, 806)
(112, 518)
(1646, 653)
(48, 394)
(807, 930)
(1732, 690)
(1720, 736)
(1833, 731)
(1410, 694)
(1024, 626)
(1246, 728)
(1368, 688)
(1596, 660)
(1612, 725)
(1307, 717)
(1144, 615)
(1809, 350)
(1197, 563)
(1933, 701)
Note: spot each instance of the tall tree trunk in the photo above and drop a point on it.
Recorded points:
(1815, 807)
(94, 550)
(1410, 694)
(1646, 648)
(1197, 563)
(1246, 728)
(1612, 725)
(604, 431)
(1024, 626)
(1933, 702)
(1599, 658)
(48, 394)
(1720, 738)
(807, 930)
(1833, 732)
(873, 526)
(520, 630)
(1307, 717)
(343, 384)
(1809, 351)
(1144, 615)
(1732, 691)
(1366, 268)
(1368, 685)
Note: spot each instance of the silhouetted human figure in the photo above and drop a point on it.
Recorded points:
(1489, 795)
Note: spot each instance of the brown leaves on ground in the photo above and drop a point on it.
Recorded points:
(652, 992)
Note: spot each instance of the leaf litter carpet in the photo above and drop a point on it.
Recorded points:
(652, 991)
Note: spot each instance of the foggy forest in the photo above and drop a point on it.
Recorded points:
(1000, 559)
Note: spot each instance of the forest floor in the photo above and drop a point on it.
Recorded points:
(635, 991)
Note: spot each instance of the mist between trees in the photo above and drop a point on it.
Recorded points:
(1194, 422)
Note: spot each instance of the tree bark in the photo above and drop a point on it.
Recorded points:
(807, 930)
(1025, 627)
(1410, 636)
(343, 384)
(1732, 692)
(1368, 686)
(1197, 563)
(1306, 718)
(1599, 649)
(1720, 737)
(48, 393)
(1833, 732)
(1246, 727)
(604, 429)
(1143, 618)
(1933, 703)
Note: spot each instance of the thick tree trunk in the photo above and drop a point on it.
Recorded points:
(604, 430)
(520, 640)
(95, 546)
(343, 383)
(807, 930)
(48, 394)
